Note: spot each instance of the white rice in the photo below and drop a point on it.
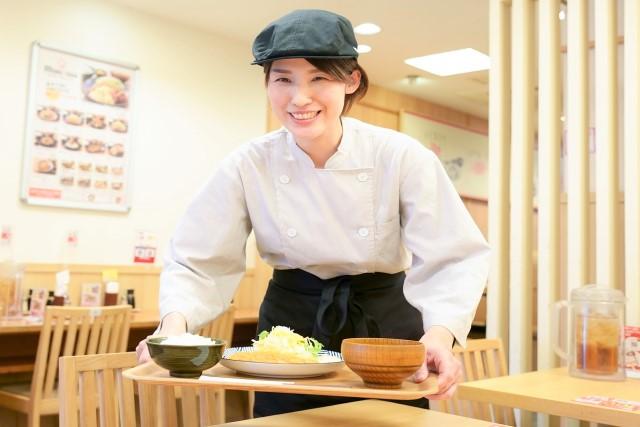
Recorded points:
(187, 339)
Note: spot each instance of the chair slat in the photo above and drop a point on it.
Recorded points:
(188, 406)
(94, 335)
(52, 363)
(81, 345)
(482, 358)
(68, 387)
(106, 392)
(126, 399)
(88, 403)
(70, 339)
(148, 412)
(168, 412)
(105, 335)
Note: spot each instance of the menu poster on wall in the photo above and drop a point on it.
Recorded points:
(79, 127)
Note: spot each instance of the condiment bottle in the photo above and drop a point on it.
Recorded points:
(111, 293)
(62, 285)
(131, 299)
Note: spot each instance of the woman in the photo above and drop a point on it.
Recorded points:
(340, 209)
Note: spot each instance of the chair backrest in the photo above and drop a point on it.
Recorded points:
(221, 327)
(170, 406)
(482, 358)
(94, 392)
(73, 331)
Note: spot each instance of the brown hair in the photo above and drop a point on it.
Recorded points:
(341, 69)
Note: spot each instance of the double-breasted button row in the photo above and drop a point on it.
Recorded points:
(284, 179)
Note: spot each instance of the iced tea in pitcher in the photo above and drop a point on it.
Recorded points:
(596, 344)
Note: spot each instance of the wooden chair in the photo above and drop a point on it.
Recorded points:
(172, 406)
(66, 331)
(188, 406)
(94, 392)
(482, 358)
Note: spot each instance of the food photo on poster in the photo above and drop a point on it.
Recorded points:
(78, 138)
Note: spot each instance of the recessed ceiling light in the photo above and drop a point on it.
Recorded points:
(453, 62)
(364, 48)
(367, 29)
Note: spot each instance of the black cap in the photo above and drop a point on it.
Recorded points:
(306, 33)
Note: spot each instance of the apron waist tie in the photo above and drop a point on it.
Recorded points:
(336, 305)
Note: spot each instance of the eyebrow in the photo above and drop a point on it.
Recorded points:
(285, 71)
(280, 70)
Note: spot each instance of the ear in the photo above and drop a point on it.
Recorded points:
(353, 83)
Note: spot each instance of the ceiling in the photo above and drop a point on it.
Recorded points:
(409, 28)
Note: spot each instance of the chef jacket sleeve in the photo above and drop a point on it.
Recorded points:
(450, 257)
(206, 260)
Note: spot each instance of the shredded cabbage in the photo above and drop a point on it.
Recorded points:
(283, 340)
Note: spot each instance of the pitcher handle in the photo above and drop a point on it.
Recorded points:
(557, 347)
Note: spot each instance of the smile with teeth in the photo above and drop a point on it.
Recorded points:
(306, 115)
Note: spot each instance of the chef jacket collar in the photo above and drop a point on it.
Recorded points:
(334, 162)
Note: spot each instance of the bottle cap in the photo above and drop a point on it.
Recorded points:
(112, 287)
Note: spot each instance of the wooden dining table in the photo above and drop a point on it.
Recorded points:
(369, 413)
(554, 392)
(20, 336)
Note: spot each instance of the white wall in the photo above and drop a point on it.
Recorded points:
(198, 99)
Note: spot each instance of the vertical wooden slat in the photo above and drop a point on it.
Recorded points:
(68, 387)
(499, 172)
(189, 407)
(632, 159)
(126, 400)
(148, 395)
(106, 335)
(54, 354)
(577, 145)
(549, 149)
(89, 394)
(94, 334)
(81, 345)
(167, 410)
(607, 183)
(522, 131)
(106, 393)
(70, 339)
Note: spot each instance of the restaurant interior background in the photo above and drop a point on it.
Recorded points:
(198, 98)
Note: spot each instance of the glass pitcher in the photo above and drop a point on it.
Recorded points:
(596, 333)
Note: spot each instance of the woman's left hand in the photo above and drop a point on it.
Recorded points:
(439, 359)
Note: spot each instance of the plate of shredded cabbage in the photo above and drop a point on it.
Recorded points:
(282, 353)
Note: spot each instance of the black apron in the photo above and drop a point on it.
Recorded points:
(364, 305)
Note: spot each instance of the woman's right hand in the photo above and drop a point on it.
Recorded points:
(172, 324)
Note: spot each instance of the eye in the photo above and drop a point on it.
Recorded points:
(320, 78)
(282, 80)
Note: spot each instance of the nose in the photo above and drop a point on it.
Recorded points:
(301, 95)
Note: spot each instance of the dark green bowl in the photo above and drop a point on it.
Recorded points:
(185, 361)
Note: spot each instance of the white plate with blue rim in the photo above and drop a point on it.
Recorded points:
(328, 361)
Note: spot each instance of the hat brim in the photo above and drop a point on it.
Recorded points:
(264, 61)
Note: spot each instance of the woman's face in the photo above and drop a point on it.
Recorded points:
(307, 101)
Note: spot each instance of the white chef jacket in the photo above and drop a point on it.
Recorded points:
(382, 203)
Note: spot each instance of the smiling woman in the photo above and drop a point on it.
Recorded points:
(341, 209)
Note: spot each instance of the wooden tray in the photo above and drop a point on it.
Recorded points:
(340, 383)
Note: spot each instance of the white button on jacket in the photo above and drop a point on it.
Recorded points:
(382, 203)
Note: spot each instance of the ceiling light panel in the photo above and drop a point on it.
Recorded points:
(452, 62)
(367, 29)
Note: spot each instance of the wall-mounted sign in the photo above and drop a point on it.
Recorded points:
(145, 248)
(79, 131)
